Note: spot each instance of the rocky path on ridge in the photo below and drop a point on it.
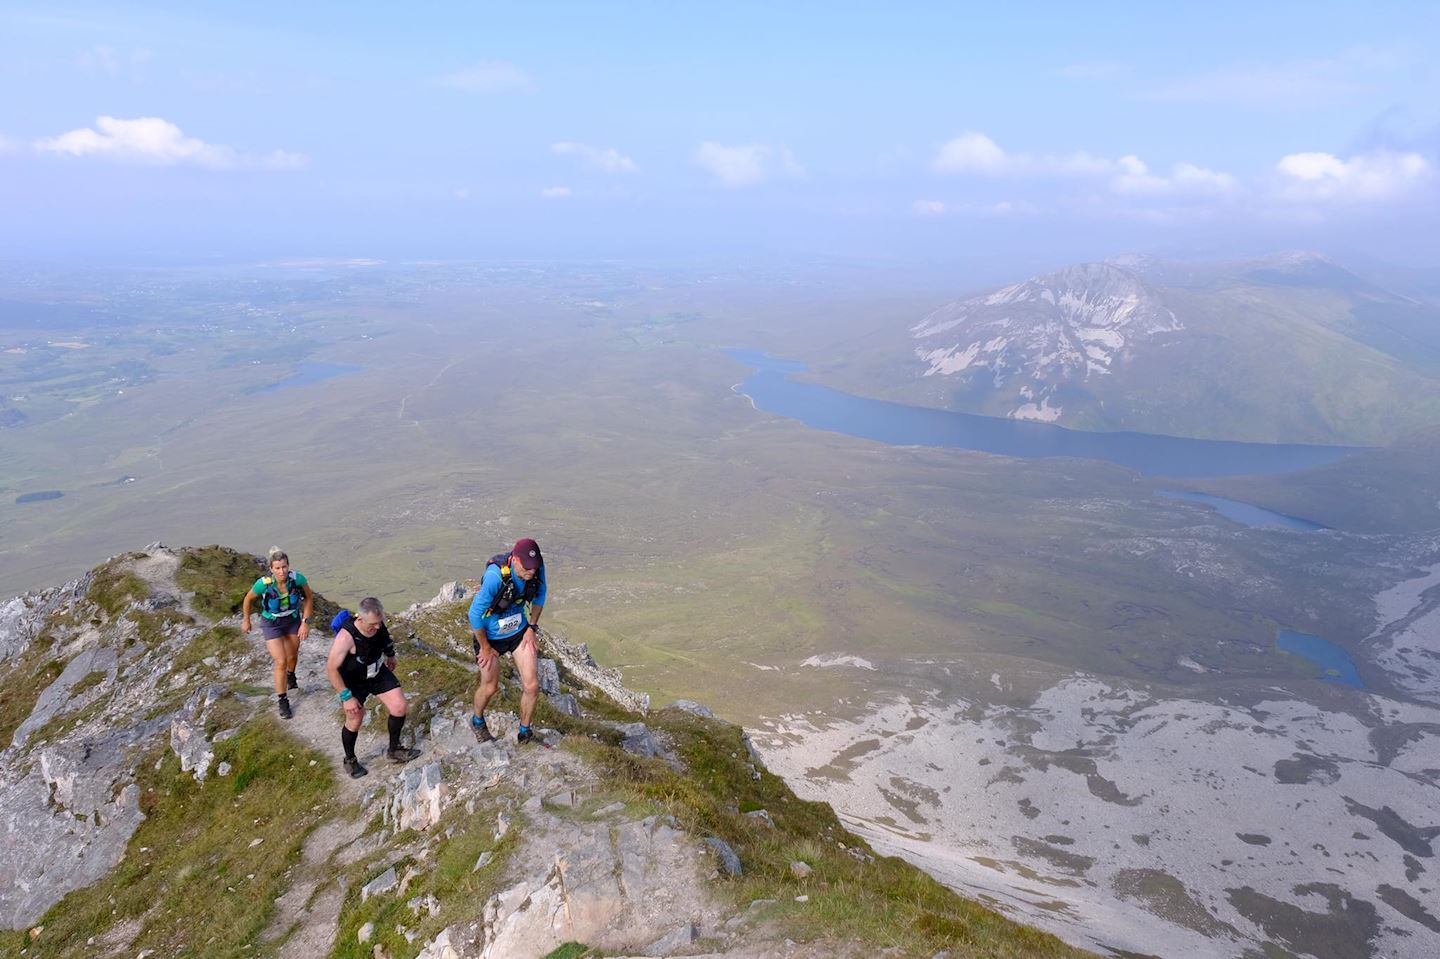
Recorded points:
(585, 870)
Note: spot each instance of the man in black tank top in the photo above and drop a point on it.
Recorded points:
(362, 663)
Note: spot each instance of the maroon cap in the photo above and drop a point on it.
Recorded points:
(527, 553)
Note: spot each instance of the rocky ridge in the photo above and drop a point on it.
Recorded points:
(154, 800)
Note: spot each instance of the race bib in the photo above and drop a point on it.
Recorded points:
(509, 624)
(373, 669)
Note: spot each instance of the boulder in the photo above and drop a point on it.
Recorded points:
(382, 883)
(189, 743)
(565, 704)
(638, 741)
(417, 798)
(729, 860)
(549, 677)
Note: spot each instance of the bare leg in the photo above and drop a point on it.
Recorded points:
(279, 653)
(394, 701)
(527, 661)
(292, 652)
(488, 687)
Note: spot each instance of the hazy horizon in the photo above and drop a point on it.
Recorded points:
(910, 135)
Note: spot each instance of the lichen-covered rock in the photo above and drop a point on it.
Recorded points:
(189, 743)
(565, 704)
(549, 677)
(417, 798)
(729, 860)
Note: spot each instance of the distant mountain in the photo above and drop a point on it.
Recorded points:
(1291, 348)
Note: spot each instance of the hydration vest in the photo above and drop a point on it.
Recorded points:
(370, 651)
(275, 604)
(512, 592)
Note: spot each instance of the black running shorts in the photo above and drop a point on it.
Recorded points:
(362, 688)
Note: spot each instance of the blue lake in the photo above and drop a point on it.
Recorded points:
(771, 389)
(307, 373)
(1333, 661)
(1243, 513)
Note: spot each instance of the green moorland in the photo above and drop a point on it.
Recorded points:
(705, 547)
(203, 872)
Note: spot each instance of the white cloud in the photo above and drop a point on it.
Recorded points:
(1135, 179)
(607, 160)
(975, 153)
(929, 207)
(747, 165)
(156, 141)
(488, 76)
(1374, 176)
(555, 192)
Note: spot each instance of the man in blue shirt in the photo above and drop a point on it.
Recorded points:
(503, 615)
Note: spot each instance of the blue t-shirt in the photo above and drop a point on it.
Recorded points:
(513, 621)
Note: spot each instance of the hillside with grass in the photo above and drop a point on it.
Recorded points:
(157, 806)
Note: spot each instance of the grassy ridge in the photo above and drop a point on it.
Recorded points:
(193, 878)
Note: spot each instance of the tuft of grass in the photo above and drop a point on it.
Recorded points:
(191, 878)
(24, 678)
(568, 950)
(88, 681)
(217, 578)
(221, 642)
(113, 588)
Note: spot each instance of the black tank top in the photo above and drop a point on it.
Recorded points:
(369, 652)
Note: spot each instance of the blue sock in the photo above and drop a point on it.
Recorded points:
(524, 728)
(477, 720)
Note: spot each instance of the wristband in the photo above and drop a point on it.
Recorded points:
(345, 694)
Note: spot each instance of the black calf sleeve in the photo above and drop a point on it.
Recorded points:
(397, 723)
(347, 739)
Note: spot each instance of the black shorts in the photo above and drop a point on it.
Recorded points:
(362, 688)
(280, 627)
(502, 646)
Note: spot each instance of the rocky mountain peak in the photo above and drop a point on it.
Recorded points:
(1045, 333)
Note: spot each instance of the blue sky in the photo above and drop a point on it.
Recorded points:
(1042, 133)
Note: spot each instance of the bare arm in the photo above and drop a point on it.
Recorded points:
(305, 613)
(343, 646)
(245, 611)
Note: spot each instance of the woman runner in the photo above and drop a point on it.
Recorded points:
(286, 601)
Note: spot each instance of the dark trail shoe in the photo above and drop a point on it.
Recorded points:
(285, 707)
(291, 682)
(524, 736)
(481, 731)
(402, 755)
(353, 767)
